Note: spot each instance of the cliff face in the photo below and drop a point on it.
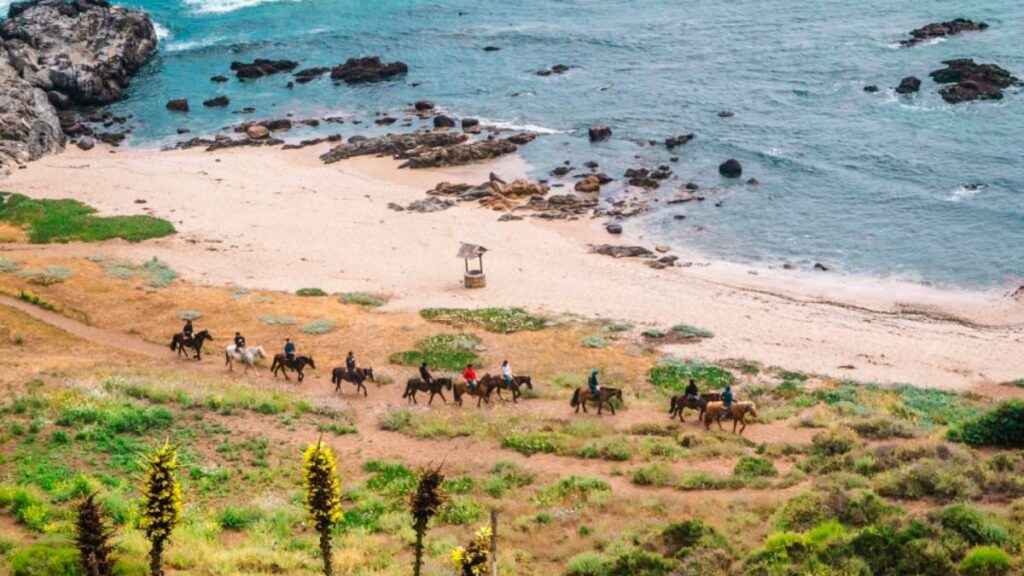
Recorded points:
(56, 54)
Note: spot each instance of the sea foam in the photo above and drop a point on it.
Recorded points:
(225, 6)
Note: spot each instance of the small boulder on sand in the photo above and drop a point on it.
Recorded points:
(257, 131)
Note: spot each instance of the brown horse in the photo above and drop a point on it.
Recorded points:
(357, 377)
(682, 401)
(484, 387)
(283, 364)
(181, 344)
(517, 383)
(415, 385)
(604, 395)
(737, 412)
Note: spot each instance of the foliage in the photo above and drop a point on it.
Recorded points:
(48, 276)
(594, 342)
(672, 375)
(882, 429)
(160, 273)
(277, 320)
(364, 299)
(986, 561)
(687, 331)
(323, 496)
(497, 320)
(319, 327)
(449, 352)
(474, 559)
(654, 475)
(46, 559)
(531, 443)
(310, 292)
(93, 538)
(460, 511)
(751, 467)
(579, 487)
(505, 477)
(71, 220)
(1003, 427)
(235, 518)
(8, 266)
(161, 495)
(972, 525)
(393, 478)
(424, 504)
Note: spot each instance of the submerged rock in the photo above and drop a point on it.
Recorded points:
(731, 168)
(307, 75)
(972, 81)
(178, 105)
(599, 133)
(680, 140)
(871, 88)
(909, 85)
(218, 102)
(261, 67)
(943, 29)
(442, 121)
(368, 69)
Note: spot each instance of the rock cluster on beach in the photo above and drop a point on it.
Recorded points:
(428, 149)
(60, 56)
(943, 29)
(972, 81)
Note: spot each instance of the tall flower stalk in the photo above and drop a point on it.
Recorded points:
(323, 496)
(423, 505)
(161, 496)
(475, 559)
(93, 538)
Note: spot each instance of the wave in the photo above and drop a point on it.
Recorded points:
(512, 125)
(186, 45)
(964, 192)
(225, 6)
(162, 32)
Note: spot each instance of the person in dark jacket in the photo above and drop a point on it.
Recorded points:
(727, 398)
(289, 349)
(593, 384)
(187, 330)
(691, 389)
(239, 343)
(350, 363)
(425, 374)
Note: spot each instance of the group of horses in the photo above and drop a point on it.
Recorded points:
(710, 405)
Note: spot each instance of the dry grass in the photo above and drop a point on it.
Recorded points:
(12, 234)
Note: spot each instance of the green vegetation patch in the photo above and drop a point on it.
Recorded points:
(46, 276)
(277, 320)
(449, 352)
(8, 266)
(1003, 427)
(578, 488)
(319, 327)
(364, 299)
(70, 220)
(497, 320)
(310, 292)
(672, 375)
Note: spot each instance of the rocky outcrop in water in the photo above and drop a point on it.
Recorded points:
(972, 81)
(261, 67)
(368, 69)
(909, 85)
(457, 155)
(391, 145)
(943, 29)
(731, 168)
(63, 55)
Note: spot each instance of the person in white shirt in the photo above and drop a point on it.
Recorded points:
(506, 374)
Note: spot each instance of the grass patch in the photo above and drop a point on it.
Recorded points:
(535, 443)
(497, 320)
(672, 376)
(47, 276)
(277, 320)
(364, 299)
(160, 273)
(449, 352)
(594, 342)
(8, 266)
(310, 292)
(70, 220)
(691, 332)
(319, 327)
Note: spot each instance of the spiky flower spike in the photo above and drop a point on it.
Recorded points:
(161, 495)
(474, 559)
(323, 496)
(423, 505)
(92, 538)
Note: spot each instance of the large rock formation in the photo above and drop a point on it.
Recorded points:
(391, 145)
(59, 54)
(972, 81)
(368, 69)
(943, 29)
(457, 155)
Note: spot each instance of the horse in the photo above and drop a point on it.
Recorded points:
(517, 383)
(604, 395)
(282, 363)
(737, 412)
(179, 343)
(357, 377)
(484, 387)
(246, 357)
(682, 401)
(415, 385)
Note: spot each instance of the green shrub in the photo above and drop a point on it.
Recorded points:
(46, 559)
(238, 519)
(801, 512)
(460, 511)
(310, 292)
(687, 331)
(986, 561)
(833, 442)
(71, 220)
(653, 334)
(48, 276)
(1002, 427)
(507, 476)
(672, 375)
(160, 273)
(497, 320)
(638, 562)
(750, 467)
(587, 563)
(449, 352)
(577, 487)
(394, 420)
(653, 475)
(972, 525)
(531, 443)
(392, 478)
(946, 481)
(319, 327)
(882, 429)
(616, 449)
(594, 342)
(364, 299)
(695, 480)
(277, 320)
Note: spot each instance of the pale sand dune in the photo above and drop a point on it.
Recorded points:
(282, 220)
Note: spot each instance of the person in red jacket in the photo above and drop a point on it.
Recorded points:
(470, 376)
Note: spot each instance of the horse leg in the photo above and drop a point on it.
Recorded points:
(612, 406)
(441, 394)
(363, 388)
(301, 376)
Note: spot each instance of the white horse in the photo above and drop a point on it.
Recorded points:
(247, 357)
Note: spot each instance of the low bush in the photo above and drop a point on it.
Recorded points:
(986, 561)
(47, 276)
(653, 475)
(594, 342)
(687, 331)
(882, 429)
(497, 320)
(672, 376)
(1003, 427)
(364, 299)
(449, 352)
(531, 443)
(750, 467)
(506, 477)
(577, 487)
(460, 511)
(972, 525)
(277, 320)
(46, 559)
(160, 273)
(319, 327)
(693, 480)
(310, 292)
(237, 519)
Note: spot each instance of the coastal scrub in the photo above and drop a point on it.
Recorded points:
(497, 320)
(70, 221)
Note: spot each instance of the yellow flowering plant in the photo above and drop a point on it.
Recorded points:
(475, 559)
(161, 503)
(323, 496)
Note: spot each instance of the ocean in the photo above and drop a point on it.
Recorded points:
(909, 188)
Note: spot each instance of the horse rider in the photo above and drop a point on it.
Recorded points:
(187, 330)
(240, 344)
(425, 374)
(506, 374)
(727, 399)
(470, 376)
(691, 390)
(350, 363)
(289, 349)
(593, 384)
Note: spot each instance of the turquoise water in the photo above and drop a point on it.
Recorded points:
(867, 183)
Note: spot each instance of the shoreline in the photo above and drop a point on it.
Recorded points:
(282, 220)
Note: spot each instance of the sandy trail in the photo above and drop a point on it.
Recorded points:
(282, 220)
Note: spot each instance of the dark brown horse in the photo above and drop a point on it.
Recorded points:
(682, 401)
(181, 344)
(484, 387)
(357, 377)
(604, 396)
(283, 364)
(517, 383)
(415, 385)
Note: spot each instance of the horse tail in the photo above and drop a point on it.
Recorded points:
(174, 341)
(672, 405)
(575, 398)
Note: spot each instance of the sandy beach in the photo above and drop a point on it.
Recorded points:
(283, 220)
